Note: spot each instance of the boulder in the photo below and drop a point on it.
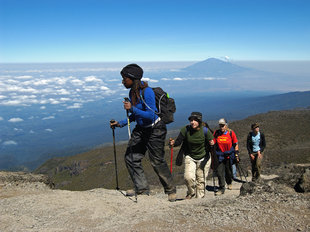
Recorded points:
(303, 184)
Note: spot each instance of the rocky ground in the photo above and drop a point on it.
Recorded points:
(27, 203)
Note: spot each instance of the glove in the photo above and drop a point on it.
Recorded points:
(237, 157)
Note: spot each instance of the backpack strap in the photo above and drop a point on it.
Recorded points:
(205, 131)
(142, 98)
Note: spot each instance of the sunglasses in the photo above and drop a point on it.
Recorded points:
(221, 125)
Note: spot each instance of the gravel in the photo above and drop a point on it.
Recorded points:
(34, 206)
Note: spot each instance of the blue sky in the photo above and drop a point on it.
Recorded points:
(145, 30)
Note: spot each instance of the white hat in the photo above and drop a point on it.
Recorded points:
(222, 121)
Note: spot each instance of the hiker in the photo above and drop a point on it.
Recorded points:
(193, 138)
(149, 134)
(226, 146)
(256, 144)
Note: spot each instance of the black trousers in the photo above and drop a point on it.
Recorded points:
(224, 173)
(151, 140)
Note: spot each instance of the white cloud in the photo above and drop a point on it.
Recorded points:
(48, 130)
(23, 77)
(12, 81)
(9, 142)
(149, 79)
(63, 92)
(64, 99)
(1, 118)
(49, 117)
(5, 76)
(114, 80)
(75, 106)
(61, 81)
(175, 70)
(104, 88)
(16, 120)
(77, 82)
(179, 79)
(19, 89)
(90, 88)
(92, 79)
(54, 101)
(27, 90)
(43, 107)
(42, 82)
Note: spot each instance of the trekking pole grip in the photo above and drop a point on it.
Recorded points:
(112, 121)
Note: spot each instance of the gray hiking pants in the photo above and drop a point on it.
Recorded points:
(150, 139)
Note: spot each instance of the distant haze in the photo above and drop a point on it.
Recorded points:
(49, 109)
(287, 67)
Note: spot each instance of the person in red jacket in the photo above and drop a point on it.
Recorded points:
(226, 146)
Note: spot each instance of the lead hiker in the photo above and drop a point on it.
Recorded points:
(194, 139)
(226, 148)
(255, 145)
(148, 135)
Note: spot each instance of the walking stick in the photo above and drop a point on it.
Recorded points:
(115, 161)
(241, 172)
(171, 159)
(213, 177)
(126, 99)
(214, 164)
(128, 121)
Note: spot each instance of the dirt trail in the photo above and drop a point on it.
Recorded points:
(35, 207)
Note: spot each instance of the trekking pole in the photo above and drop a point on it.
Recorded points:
(243, 174)
(214, 165)
(115, 161)
(213, 177)
(128, 121)
(171, 157)
(126, 99)
(240, 173)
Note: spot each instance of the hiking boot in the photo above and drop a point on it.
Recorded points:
(220, 192)
(172, 197)
(229, 186)
(132, 192)
(189, 196)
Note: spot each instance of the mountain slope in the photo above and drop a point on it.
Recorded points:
(287, 136)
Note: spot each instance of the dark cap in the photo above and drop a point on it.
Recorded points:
(133, 71)
(254, 125)
(195, 115)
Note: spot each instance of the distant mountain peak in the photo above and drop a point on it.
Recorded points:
(213, 66)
